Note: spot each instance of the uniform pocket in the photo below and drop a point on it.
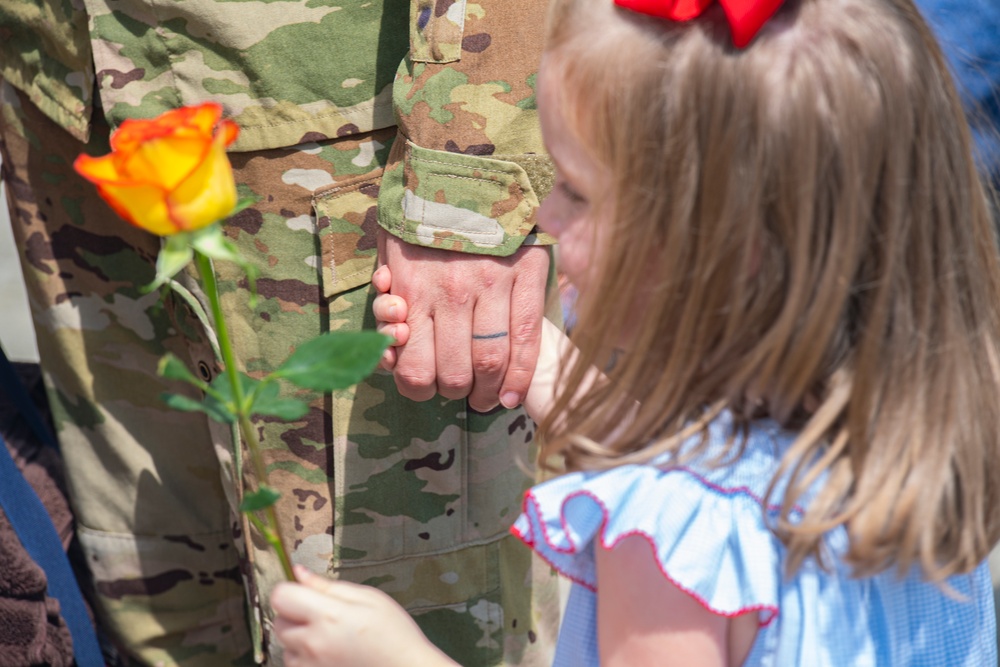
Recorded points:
(347, 224)
(436, 28)
(163, 595)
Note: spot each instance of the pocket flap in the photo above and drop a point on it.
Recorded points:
(347, 223)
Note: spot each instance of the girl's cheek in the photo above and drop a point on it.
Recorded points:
(573, 261)
(547, 217)
(556, 215)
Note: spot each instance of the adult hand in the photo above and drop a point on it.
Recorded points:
(473, 321)
(555, 349)
(324, 622)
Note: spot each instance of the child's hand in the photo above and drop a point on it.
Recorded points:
(322, 622)
(390, 315)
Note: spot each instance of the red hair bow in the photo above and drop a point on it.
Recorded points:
(746, 17)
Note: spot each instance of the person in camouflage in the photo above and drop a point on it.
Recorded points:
(362, 124)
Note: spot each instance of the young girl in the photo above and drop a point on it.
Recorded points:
(776, 229)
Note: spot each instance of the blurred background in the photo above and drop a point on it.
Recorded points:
(16, 333)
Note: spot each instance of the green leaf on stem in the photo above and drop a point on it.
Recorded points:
(174, 256)
(266, 401)
(332, 361)
(213, 242)
(210, 405)
(260, 499)
(224, 388)
(173, 368)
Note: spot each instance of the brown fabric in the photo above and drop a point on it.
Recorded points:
(32, 631)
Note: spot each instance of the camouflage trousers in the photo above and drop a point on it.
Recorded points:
(415, 498)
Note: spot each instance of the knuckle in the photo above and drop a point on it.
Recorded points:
(487, 279)
(490, 363)
(525, 332)
(456, 291)
(455, 381)
(415, 395)
(414, 384)
(453, 394)
(414, 378)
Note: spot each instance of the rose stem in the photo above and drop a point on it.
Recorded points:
(272, 529)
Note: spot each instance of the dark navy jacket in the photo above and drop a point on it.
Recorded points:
(969, 33)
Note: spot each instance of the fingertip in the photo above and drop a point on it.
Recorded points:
(278, 597)
(397, 310)
(388, 360)
(317, 583)
(382, 279)
(389, 309)
(515, 385)
(510, 399)
(401, 333)
(311, 580)
(387, 329)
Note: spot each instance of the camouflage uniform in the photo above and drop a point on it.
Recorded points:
(413, 498)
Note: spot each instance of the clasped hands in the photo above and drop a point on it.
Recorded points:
(320, 621)
(465, 326)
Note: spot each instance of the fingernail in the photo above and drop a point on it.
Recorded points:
(393, 309)
(510, 400)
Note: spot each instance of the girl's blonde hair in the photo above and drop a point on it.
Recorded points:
(796, 231)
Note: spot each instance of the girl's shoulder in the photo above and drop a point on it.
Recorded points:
(709, 527)
(730, 559)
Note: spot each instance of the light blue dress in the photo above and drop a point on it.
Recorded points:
(711, 541)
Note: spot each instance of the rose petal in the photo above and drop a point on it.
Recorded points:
(229, 131)
(188, 122)
(209, 193)
(143, 206)
(97, 169)
(170, 173)
(166, 160)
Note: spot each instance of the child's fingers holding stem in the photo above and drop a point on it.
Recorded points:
(390, 315)
(323, 622)
(315, 623)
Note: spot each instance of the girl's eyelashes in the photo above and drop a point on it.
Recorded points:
(570, 193)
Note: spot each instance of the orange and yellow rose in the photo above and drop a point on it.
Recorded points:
(169, 174)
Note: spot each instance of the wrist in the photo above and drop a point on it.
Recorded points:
(466, 203)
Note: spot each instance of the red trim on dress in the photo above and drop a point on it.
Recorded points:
(530, 541)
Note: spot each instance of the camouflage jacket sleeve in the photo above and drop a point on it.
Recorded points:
(45, 51)
(468, 169)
